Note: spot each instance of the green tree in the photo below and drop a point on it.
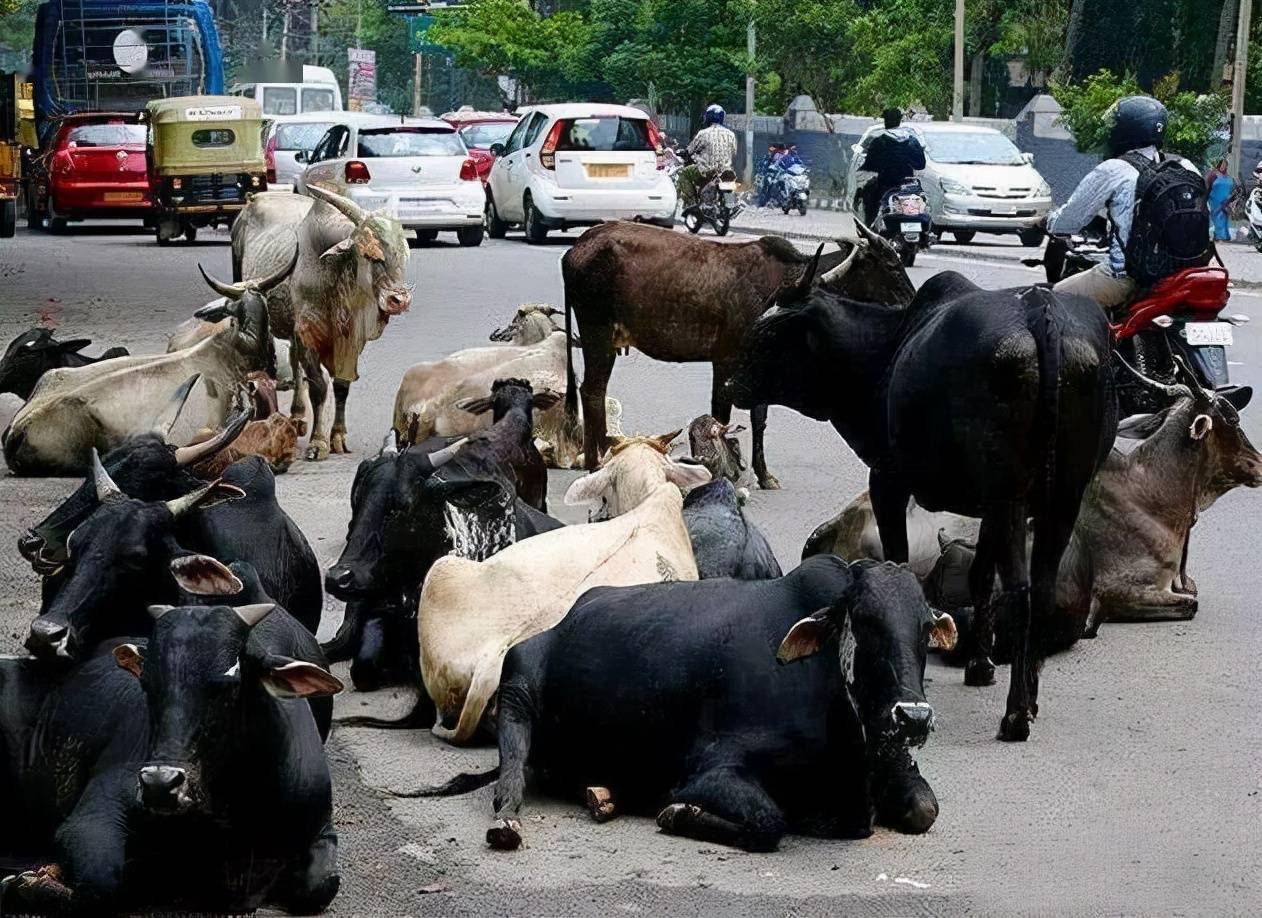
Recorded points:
(903, 51)
(804, 46)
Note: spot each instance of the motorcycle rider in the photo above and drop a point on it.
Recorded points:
(894, 155)
(1135, 139)
(711, 151)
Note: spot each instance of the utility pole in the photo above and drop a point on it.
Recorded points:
(1237, 87)
(957, 97)
(315, 32)
(416, 86)
(751, 48)
(284, 36)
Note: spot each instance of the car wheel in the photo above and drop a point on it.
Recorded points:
(963, 237)
(495, 227)
(470, 236)
(536, 232)
(34, 219)
(8, 218)
(190, 232)
(1031, 238)
(53, 223)
(426, 236)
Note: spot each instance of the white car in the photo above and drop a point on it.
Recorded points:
(975, 178)
(577, 164)
(285, 136)
(415, 169)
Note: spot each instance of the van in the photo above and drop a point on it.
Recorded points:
(318, 92)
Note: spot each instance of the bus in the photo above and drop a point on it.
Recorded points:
(105, 55)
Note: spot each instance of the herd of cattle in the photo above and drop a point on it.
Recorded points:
(162, 744)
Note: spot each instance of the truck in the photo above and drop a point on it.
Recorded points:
(12, 90)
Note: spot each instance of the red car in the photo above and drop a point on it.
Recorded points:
(95, 167)
(479, 130)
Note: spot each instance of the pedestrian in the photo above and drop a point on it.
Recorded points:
(1221, 188)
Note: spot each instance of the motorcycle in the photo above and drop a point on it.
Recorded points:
(904, 220)
(1065, 256)
(717, 204)
(788, 189)
(1253, 210)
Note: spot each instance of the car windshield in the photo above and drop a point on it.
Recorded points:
(300, 136)
(107, 135)
(409, 142)
(483, 135)
(984, 148)
(607, 133)
(280, 100)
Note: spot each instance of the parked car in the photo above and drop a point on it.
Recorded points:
(286, 135)
(975, 178)
(94, 168)
(479, 131)
(578, 164)
(416, 169)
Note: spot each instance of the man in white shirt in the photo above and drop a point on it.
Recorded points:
(712, 151)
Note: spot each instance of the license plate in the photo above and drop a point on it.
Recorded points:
(123, 197)
(608, 170)
(911, 228)
(1208, 333)
(1004, 211)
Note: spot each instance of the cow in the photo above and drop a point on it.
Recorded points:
(274, 440)
(724, 542)
(684, 299)
(33, 353)
(75, 410)
(428, 399)
(350, 280)
(715, 446)
(991, 404)
(472, 612)
(668, 697)
(118, 559)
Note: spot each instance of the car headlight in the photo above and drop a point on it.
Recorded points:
(950, 186)
(1044, 190)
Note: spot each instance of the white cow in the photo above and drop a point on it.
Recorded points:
(472, 612)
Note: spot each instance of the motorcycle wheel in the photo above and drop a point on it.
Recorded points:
(692, 220)
(907, 255)
(802, 208)
(722, 225)
(1149, 353)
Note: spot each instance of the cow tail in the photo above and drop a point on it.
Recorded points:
(462, 783)
(1050, 348)
(571, 388)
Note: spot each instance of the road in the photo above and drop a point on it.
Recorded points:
(1137, 794)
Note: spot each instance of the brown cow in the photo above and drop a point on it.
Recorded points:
(683, 299)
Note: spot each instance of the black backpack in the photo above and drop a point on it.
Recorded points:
(1170, 227)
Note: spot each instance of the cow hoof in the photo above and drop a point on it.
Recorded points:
(600, 804)
(337, 443)
(1015, 727)
(300, 424)
(318, 451)
(673, 818)
(770, 483)
(504, 835)
(979, 672)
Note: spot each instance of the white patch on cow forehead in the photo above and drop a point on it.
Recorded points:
(847, 651)
(478, 534)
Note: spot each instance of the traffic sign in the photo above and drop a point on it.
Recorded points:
(424, 6)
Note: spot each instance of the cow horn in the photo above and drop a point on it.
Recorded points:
(348, 208)
(171, 413)
(1176, 391)
(442, 456)
(107, 492)
(264, 284)
(231, 291)
(866, 232)
(837, 273)
(1189, 378)
(181, 505)
(388, 445)
(196, 452)
(254, 613)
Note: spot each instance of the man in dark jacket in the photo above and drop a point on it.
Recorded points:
(894, 155)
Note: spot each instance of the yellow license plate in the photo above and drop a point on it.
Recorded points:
(608, 170)
(123, 197)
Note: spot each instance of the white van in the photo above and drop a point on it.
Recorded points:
(318, 92)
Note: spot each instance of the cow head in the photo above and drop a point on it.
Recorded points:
(632, 470)
(198, 671)
(246, 305)
(30, 355)
(509, 395)
(532, 323)
(715, 446)
(876, 275)
(379, 248)
(116, 560)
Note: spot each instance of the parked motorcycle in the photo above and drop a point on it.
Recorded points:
(717, 205)
(1253, 210)
(904, 220)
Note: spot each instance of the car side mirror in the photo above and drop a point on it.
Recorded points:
(1029, 158)
(497, 149)
(302, 156)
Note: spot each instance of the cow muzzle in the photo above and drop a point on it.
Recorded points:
(342, 583)
(163, 789)
(51, 640)
(913, 721)
(394, 302)
(29, 545)
(503, 334)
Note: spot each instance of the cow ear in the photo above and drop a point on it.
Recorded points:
(943, 634)
(589, 489)
(475, 405)
(805, 638)
(1238, 397)
(203, 575)
(338, 250)
(686, 474)
(128, 657)
(1202, 424)
(370, 247)
(545, 399)
(285, 677)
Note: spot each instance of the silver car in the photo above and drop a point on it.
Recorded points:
(286, 135)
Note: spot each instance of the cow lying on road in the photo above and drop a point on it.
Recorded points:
(33, 353)
(669, 695)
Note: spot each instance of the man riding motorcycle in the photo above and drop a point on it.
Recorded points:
(1135, 141)
(710, 152)
(894, 155)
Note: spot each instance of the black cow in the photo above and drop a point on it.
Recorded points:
(119, 559)
(992, 404)
(33, 353)
(669, 694)
(510, 440)
(724, 542)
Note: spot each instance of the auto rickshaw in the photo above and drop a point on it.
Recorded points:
(205, 159)
(11, 91)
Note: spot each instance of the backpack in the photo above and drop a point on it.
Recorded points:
(1170, 226)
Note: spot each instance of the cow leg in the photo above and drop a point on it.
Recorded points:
(979, 670)
(889, 506)
(341, 390)
(318, 445)
(91, 844)
(514, 733)
(597, 368)
(1014, 575)
(314, 881)
(725, 806)
(298, 404)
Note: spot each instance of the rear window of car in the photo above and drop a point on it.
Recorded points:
(107, 135)
(280, 100)
(409, 142)
(300, 136)
(604, 134)
(483, 135)
(317, 100)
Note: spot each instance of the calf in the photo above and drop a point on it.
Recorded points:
(668, 694)
(472, 612)
(274, 440)
(33, 353)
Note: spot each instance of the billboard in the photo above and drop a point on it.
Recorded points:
(361, 81)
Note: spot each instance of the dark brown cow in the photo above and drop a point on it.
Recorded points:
(685, 300)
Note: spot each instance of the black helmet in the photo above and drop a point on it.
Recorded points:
(1138, 121)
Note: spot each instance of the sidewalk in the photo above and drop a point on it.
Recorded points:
(1242, 261)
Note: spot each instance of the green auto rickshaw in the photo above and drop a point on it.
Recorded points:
(205, 159)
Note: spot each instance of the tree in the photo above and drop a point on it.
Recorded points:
(804, 46)
(903, 51)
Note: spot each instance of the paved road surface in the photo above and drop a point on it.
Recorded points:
(1138, 793)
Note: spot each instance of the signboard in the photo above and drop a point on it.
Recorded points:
(423, 7)
(213, 113)
(361, 81)
(418, 40)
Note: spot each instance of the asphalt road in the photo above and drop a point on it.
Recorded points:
(1137, 794)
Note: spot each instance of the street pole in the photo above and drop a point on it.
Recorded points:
(284, 36)
(416, 88)
(1237, 87)
(315, 32)
(751, 46)
(957, 99)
